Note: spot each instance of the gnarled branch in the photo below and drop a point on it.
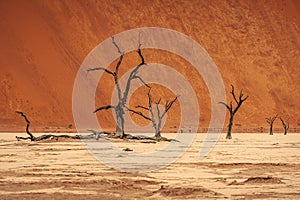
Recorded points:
(133, 74)
(139, 113)
(27, 126)
(122, 96)
(50, 136)
(104, 108)
(155, 122)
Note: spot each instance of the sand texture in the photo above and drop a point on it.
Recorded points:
(250, 166)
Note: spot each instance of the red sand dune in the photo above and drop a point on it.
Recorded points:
(255, 44)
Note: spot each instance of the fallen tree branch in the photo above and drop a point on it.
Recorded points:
(94, 135)
(28, 124)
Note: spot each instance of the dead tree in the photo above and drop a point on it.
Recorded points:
(232, 111)
(285, 125)
(94, 135)
(156, 120)
(122, 97)
(270, 121)
(31, 137)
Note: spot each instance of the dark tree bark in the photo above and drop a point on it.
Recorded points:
(156, 120)
(232, 111)
(31, 137)
(94, 135)
(285, 125)
(122, 97)
(270, 121)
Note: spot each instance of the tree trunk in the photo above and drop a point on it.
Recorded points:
(228, 136)
(119, 131)
(157, 134)
(157, 129)
(29, 133)
(271, 129)
(120, 121)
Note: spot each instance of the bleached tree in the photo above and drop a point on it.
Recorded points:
(155, 117)
(119, 108)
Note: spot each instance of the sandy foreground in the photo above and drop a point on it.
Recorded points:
(250, 166)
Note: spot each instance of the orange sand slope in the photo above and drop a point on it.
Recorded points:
(251, 166)
(255, 45)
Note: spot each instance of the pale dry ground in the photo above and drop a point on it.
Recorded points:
(65, 170)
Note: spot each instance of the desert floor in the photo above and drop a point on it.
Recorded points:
(250, 166)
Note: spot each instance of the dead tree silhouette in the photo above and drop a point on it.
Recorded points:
(285, 125)
(122, 97)
(232, 111)
(156, 120)
(270, 121)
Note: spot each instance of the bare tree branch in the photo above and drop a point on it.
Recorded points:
(116, 79)
(134, 72)
(241, 97)
(142, 107)
(239, 103)
(159, 101)
(166, 104)
(228, 107)
(139, 113)
(139, 51)
(24, 116)
(100, 68)
(104, 108)
(138, 77)
(169, 105)
(116, 45)
(271, 119)
(233, 94)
